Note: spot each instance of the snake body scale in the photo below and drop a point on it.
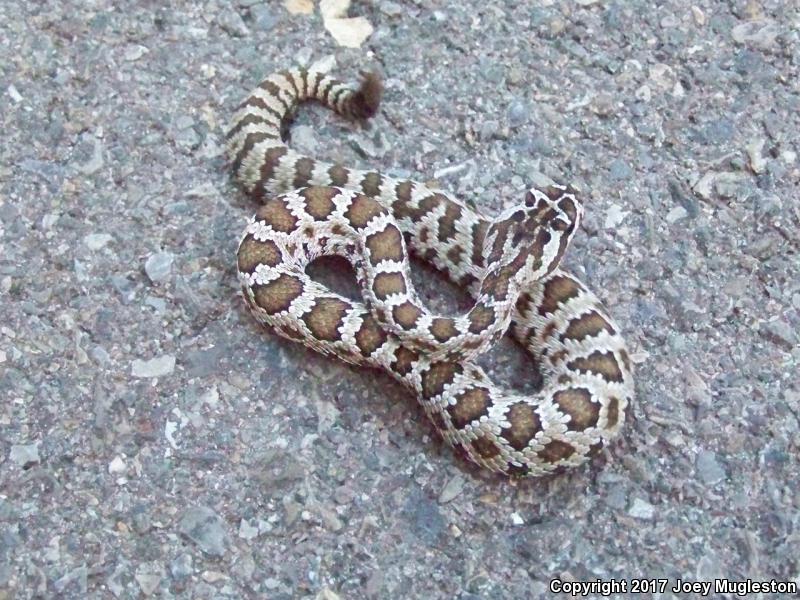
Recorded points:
(510, 266)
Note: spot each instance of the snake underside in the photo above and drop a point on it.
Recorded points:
(509, 265)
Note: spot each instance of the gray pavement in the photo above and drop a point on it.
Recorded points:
(154, 442)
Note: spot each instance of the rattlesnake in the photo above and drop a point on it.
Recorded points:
(509, 265)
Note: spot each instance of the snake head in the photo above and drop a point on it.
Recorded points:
(555, 207)
(527, 241)
(558, 214)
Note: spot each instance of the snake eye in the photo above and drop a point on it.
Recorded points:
(568, 205)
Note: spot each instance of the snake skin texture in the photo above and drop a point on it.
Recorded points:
(509, 265)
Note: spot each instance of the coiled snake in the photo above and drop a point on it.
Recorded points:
(508, 264)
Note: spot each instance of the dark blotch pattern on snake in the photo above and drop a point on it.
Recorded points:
(510, 266)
